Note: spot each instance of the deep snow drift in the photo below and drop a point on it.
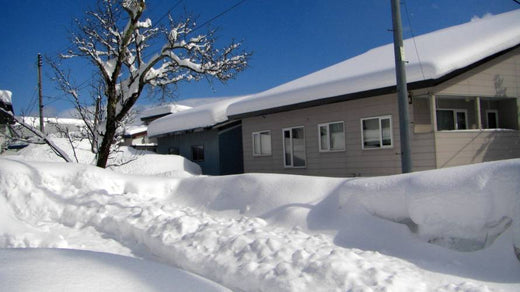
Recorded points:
(75, 270)
(266, 232)
(125, 160)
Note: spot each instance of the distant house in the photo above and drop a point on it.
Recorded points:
(136, 136)
(204, 135)
(57, 127)
(464, 89)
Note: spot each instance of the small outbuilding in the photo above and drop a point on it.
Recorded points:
(203, 134)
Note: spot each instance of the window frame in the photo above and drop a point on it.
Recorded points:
(258, 133)
(379, 118)
(327, 125)
(495, 111)
(455, 111)
(192, 153)
(290, 129)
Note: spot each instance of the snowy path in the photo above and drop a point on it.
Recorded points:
(88, 208)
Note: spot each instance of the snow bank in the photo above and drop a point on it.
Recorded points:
(159, 165)
(127, 160)
(440, 53)
(198, 117)
(74, 270)
(266, 232)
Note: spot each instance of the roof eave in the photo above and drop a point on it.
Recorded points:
(373, 92)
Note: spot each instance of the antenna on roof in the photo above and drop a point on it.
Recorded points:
(402, 91)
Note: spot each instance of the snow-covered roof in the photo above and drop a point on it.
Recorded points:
(135, 129)
(35, 121)
(202, 116)
(5, 96)
(438, 54)
(162, 110)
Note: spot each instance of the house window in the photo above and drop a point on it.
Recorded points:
(294, 147)
(197, 153)
(174, 150)
(262, 143)
(332, 136)
(451, 119)
(492, 119)
(376, 132)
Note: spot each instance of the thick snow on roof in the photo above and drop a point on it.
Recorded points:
(5, 96)
(35, 121)
(198, 117)
(438, 54)
(163, 109)
(136, 129)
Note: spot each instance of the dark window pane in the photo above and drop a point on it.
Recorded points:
(461, 121)
(197, 153)
(445, 120)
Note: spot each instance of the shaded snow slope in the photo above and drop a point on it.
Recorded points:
(74, 270)
(280, 233)
(438, 54)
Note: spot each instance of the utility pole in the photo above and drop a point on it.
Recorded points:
(40, 98)
(402, 91)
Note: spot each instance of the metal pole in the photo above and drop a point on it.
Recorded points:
(402, 92)
(40, 98)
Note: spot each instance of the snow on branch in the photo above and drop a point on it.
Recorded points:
(120, 47)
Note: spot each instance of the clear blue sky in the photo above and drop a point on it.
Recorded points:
(289, 38)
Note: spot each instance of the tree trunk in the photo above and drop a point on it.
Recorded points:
(110, 126)
(106, 143)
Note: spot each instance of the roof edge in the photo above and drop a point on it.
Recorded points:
(374, 92)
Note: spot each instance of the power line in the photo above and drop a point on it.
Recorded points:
(219, 15)
(413, 39)
(167, 12)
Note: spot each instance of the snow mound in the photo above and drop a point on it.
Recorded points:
(127, 160)
(38, 269)
(159, 165)
(266, 232)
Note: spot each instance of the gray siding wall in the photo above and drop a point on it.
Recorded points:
(492, 81)
(353, 161)
(209, 139)
(466, 147)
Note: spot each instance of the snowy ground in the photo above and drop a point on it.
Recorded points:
(445, 230)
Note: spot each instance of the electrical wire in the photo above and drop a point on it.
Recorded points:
(218, 15)
(413, 39)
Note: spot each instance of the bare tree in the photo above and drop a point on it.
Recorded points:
(87, 110)
(115, 39)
